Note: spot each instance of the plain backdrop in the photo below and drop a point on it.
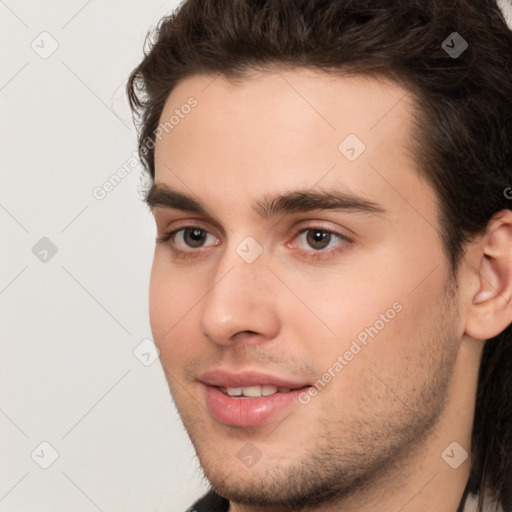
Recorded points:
(87, 423)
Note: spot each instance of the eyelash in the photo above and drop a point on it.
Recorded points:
(319, 254)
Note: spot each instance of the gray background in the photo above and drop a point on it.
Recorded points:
(72, 319)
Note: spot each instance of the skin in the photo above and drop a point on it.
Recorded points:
(373, 438)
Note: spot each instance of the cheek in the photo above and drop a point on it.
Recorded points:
(384, 298)
(160, 299)
(172, 296)
(337, 304)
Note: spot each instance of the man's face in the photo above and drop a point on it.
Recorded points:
(352, 298)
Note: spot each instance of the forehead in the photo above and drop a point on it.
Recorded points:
(336, 100)
(278, 130)
(266, 103)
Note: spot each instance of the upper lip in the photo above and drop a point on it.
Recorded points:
(228, 379)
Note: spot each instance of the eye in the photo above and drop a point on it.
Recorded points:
(192, 237)
(318, 242)
(319, 239)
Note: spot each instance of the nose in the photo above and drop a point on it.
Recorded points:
(241, 304)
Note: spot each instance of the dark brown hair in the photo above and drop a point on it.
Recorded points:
(463, 124)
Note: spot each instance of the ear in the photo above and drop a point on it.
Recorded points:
(490, 259)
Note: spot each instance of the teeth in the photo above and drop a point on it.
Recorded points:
(254, 391)
(268, 390)
(251, 391)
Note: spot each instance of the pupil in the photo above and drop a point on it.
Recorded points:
(197, 236)
(319, 239)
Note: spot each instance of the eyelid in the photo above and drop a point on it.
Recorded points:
(312, 224)
(316, 228)
(186, 224)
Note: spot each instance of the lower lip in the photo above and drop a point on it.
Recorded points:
(248, 412)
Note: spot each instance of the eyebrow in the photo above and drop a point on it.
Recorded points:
(163, 197)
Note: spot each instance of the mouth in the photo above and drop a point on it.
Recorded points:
(249, 399)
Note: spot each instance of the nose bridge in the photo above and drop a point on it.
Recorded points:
(239, 298)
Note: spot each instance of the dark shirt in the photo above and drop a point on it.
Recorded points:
(210, 502)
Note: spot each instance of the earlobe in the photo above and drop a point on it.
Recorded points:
(490, 311)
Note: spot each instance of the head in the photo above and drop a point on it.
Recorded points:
(348, 230)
